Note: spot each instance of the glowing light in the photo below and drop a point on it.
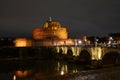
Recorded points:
(110, 38)
(99, 56)
(21, 74)
(79, 41)
(62, 73)
(58, 66)
(97, 53)
(14, 77)
(70, 42)
(22, 42)
(109, 42)
(75, 71)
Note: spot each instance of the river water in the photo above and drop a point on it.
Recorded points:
(37, 70)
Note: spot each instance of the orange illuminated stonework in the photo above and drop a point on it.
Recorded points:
(23, 42)
(51, 30)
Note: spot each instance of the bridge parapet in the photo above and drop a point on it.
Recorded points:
(77, 50)
(96, 53)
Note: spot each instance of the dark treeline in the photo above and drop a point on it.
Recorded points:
(100, 39)
(6, 42)
(114, 34)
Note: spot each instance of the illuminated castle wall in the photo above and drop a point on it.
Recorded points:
(51, 30)
(23, 42)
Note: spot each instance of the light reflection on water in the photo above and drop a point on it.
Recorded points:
(38, 70)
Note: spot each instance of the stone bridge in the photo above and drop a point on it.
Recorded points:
(108, 55)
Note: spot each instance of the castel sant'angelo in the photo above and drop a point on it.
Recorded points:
(51, 34)
(51, 30)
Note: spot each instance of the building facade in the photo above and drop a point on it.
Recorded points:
(52, 33)
(51, 30)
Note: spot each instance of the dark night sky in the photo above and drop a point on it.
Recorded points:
(81, 17)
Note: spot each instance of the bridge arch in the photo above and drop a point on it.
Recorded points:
(84, 56)
(111, 58)
(69, 52)
(61, 51)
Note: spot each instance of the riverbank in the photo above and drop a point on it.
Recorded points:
(111, 73)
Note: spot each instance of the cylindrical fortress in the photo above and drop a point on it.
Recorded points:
(51, 30)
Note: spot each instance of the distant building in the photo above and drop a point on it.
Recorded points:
(23, 42)
(50, 35)
(6, 42)
(116, 37)
(85, 40)
(51, 30)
